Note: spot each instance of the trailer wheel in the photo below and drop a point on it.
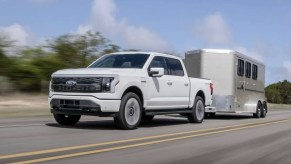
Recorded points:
(258, 110)
(129, 112)
(198, 111)
(67, 119)
(264, 110)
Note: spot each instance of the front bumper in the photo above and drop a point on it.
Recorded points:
(83, 105)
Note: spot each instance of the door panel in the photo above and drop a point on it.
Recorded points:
(171, 90)
(178, 93)
(159, 89)
(240, 84)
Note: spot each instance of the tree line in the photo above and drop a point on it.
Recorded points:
(29, 69)
(279, 93)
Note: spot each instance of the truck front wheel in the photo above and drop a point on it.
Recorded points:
(67, 119)
(198, 111)
(129, 112)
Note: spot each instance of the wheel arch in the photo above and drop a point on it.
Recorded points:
(201, 94)
(137, 91)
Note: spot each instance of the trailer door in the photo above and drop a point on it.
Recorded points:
(240, 84)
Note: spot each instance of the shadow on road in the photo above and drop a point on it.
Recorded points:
(102, 125)
(229, 117)
(220, 117)
(156, 122)
(109, 124)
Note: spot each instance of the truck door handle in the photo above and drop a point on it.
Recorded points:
(186, 84)
(169, 83)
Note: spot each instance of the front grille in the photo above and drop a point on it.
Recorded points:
(76, 84)
(64, 104)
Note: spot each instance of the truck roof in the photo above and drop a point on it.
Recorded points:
(144, 52)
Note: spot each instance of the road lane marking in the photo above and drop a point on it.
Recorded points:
(24, 125)
(117, 141)
(141, 144)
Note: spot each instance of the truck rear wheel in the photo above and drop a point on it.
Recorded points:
(198, 111)
(129, 112)
(67, 119)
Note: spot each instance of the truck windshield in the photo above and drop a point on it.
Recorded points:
(121, 61)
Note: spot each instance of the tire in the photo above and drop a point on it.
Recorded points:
(264, 110)
(67, 119)
(198, 111)
(147, 117)
(258, 110)
(130, 112)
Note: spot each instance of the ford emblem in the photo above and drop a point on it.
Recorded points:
(71, 83)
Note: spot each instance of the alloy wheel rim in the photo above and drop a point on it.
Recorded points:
(199, 110)
(132, 111)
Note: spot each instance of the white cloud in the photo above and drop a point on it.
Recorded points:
(82, 29)
(104, 20)
(213, 29)
(287, 69)
(16, 33)
(20, 36)
(251, 53)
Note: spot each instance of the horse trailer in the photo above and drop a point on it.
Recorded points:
(239, 80)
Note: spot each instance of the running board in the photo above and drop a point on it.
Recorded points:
(167, 111)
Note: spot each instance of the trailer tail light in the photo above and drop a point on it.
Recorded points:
(211, 88)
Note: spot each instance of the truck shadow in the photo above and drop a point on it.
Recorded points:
(109, 124)
(170, 120)
(220, 117)
(229, 117)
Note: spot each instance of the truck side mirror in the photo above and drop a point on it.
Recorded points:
(156, 72)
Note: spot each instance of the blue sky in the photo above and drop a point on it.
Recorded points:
(258, 28)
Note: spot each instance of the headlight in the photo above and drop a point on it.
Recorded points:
(50, 86)
(106, 84)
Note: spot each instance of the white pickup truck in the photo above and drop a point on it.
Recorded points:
(129, 86)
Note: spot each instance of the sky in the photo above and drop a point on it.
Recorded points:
(258, 28)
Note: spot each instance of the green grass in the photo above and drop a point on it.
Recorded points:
(279, 106)
(27, 105)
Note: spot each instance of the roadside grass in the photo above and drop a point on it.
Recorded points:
(279, 106)
(24, 105)
(34, 105)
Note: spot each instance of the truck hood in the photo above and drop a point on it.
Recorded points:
(94, 71)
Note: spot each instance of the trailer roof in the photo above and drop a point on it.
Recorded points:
(225, 51)
(218, 50)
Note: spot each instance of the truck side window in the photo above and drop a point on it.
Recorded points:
(159, 62)
(248, 69)
(255, 72)
(240, 67)
(175, 67)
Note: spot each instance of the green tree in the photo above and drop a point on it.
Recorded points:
(279, 92)
(79, 50)
(5, 62)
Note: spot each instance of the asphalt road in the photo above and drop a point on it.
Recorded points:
(167, 139)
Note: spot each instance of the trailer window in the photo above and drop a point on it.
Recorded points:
(255, 72)
(240, 67)
(174, 67)
(248, 69)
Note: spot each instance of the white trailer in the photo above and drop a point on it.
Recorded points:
(239, 80)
